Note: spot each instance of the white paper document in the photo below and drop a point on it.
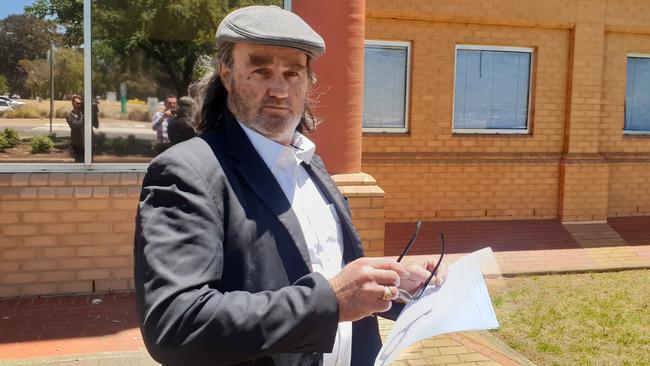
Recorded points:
(462, 303)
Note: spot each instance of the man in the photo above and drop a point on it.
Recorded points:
(160, 120)
(245, 250)
(75, 120)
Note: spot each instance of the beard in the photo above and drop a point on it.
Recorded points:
(278, 126)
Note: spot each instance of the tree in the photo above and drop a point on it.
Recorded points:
(69, 14)
(4, 87)
(171, 34)
(37, 76)
(68, 74)
(23, 38)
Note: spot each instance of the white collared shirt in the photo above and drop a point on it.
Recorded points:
(317, 217)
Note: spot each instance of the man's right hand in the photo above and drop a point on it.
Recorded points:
(360, 287)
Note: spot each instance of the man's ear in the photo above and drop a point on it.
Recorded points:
(224, 75)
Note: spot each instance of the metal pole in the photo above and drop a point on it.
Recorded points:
(88, 92)
(51, 83)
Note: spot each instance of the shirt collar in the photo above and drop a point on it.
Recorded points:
(301, 148)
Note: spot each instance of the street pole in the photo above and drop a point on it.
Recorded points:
(51, 60)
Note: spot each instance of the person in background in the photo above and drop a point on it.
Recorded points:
(75, 120)
(95, 112)
(180, 128)
(160, 120)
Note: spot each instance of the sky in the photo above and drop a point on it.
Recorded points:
(8, 7)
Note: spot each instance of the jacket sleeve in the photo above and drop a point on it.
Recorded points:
(184, 317)
(73, 121)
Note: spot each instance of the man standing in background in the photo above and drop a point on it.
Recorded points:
(160, 120)
(75, 120)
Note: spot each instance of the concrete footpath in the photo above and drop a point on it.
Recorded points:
(101, 329)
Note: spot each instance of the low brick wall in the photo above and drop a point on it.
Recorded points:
(73, 232)
(67, 232)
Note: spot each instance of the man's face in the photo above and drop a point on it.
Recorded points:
(170, 103)
(76, 104)
(267, 87)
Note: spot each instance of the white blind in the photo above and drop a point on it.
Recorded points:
(491, 89)
(384, 99)
(637, 98)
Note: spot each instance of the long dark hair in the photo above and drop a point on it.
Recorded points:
(211, 96)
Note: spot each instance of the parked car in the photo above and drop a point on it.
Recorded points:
(12, 102)
(5, 106)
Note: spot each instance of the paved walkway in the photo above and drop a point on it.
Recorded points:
(101, 330)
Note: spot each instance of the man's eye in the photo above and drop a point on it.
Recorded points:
(291, 73)
(263, 72)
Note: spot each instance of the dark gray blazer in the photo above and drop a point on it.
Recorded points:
(222, 271)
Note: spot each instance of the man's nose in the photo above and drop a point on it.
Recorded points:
(278, 87)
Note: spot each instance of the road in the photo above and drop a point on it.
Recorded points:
(29, 127)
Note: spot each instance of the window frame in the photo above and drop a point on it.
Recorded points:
(88, 165)
(492, 131)
(632, 132)
(407, 97)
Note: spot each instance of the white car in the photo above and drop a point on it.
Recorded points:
(12, 102)
(5, 106)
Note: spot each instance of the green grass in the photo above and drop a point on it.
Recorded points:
(577, 319)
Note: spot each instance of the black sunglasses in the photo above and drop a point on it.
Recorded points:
(405, 296)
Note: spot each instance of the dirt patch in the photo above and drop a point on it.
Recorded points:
(22, 153)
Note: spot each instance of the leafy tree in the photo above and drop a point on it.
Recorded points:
(68, 74)
(4, 87)
(23, 38)
(69, 14)
(170, 34)
(37, 76)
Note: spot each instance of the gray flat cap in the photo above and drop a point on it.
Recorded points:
(270, 25)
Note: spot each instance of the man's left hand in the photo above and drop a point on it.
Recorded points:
(419, 268)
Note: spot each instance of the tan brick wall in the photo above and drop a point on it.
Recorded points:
(585, 186)
(628, 189)
(66, 232)
(432, 87)
(73, 232)
(577, 113)
(453, 191)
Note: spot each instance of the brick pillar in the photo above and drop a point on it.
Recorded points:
(584, 184)
(339, 89)
(340, 105)
(366, 201)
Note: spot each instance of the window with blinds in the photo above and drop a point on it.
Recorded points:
(386, 86)
(492, 89)
(637, 97)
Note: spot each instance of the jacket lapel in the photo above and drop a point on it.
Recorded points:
(352, 243)
(258, 176)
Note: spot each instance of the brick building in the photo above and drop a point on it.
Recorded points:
(577, 159)
(573, 150)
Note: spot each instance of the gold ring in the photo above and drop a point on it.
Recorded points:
(388, 294)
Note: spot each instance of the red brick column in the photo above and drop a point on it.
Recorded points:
(340, 105)
(339, 89)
